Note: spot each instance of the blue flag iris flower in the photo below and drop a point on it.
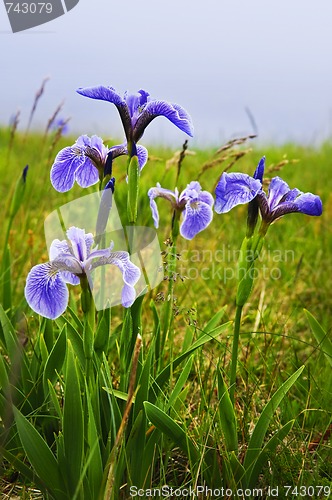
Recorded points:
(46, 287)
(138, 110)
(236, 188)
(86, 162)
(195, 204)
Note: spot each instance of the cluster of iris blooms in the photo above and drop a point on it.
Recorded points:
(89, 162)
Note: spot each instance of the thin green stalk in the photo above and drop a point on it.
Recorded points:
(235, 348)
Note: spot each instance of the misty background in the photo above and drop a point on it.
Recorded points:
(221, 60)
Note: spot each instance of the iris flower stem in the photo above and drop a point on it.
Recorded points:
(235, 348)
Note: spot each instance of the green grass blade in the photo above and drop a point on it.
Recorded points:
(227, 415)
(168, 426)
(7, 288)
(39, 454)
(267, 451)
(257, 438)
(55, 360)
(324, 342)
(73, 428)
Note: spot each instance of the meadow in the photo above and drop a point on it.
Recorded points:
(156, 410)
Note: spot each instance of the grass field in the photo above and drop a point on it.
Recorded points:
(294, 273)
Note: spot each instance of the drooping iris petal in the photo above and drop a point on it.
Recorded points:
(86, 174)
(197, 216)
(175, 113)
(130, 272)
(46, 292)
(157, 192)
(309, 204)
(63, 170)
(128, 295)
(235, 189)
(109, 94)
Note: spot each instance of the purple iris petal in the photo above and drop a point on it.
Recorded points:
(46, 292)
(259, 172)
(109, 94)
(235, 189)
(81, 162)
(58, 248)
(278, 188)
(309, 204)
(86, 175)
(128, 295)
(197, 216)
(142, 155)
(175, 113)
(64, 168)
(157, 192)
(291, 195)
(102, 93)
(130, 272)
(81, 242)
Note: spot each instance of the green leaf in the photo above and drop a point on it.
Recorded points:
(170, 428)
(94, 460)
(321, 336)
(257, 438)
(227, 415)
(6, 277)
(179, 384)
(55, 360)
(39, 455)
(73, 429)
(267, 451)
(215, 320)
(54, 399)
(11, 346)
(75, 339)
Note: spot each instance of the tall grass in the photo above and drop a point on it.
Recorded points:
(276, 337)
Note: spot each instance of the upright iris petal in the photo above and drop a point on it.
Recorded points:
(138, 110)
(46, 291)
(195, 204)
